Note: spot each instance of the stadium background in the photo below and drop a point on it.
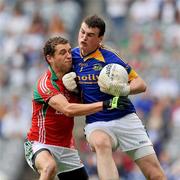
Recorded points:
(147, 35)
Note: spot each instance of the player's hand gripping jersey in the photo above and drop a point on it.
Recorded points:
(48, 125)
(87, 69)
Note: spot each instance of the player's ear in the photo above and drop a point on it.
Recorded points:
(100, 39)
(49, 58)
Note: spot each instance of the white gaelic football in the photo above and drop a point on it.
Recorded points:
(110, 77)
(113, 72)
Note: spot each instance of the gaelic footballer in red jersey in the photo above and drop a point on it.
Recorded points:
(49, 148)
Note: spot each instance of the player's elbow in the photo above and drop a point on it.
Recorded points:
(144, 87)
(67, 111)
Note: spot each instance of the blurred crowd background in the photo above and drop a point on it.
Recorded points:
(147, 35)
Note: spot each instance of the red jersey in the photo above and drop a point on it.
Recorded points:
(48, 125)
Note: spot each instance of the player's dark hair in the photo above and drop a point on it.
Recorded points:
(50, 45)
(96, 22)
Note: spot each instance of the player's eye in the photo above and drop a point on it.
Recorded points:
(82, 31)
(69, 51)
(62, 52)
(90, 35)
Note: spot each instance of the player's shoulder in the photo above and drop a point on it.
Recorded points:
(109, 49)
(111, 54)
(44, 78)
(43, 84)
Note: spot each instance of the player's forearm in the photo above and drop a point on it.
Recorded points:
(137, 86)
(73, 109)
(60, 103)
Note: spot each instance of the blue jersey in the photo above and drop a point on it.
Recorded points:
(87, 69)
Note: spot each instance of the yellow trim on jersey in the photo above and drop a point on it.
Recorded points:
(132, 75)
(112, 50)
(97, 55)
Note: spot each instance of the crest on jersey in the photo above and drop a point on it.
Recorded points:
(97, 67)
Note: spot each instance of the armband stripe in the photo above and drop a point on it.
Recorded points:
(114, 102)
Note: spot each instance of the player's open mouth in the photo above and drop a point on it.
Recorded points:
(83, 43)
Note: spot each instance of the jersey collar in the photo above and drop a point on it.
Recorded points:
(95, 55)
(53, 74)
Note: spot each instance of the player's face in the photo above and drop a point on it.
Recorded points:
(88, 39)
(61, 62)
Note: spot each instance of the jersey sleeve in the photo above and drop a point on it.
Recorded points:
(44, 90)
(115, 58)
(132, 75)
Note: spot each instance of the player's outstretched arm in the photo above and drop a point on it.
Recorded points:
(60, 103)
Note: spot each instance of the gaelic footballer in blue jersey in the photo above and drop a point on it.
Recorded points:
(110, 128)
(87, 70)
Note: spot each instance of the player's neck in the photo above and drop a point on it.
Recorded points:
(87, 53)
(58, 73)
